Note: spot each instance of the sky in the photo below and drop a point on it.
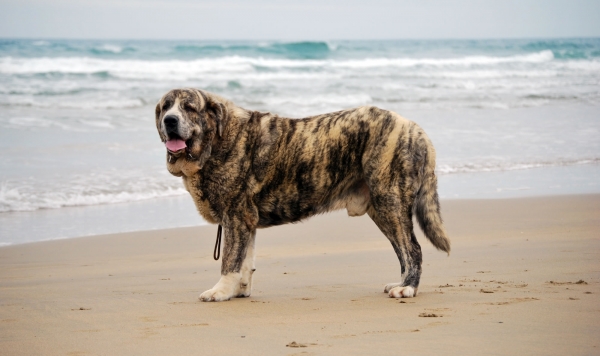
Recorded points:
(298, 20)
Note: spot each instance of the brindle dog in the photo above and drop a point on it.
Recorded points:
(248, 170)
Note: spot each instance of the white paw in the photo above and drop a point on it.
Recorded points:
(227, 287)
(402, 292)
(389, 286)
(215, 295)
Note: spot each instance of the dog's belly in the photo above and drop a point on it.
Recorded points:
(289, 212)
(288, 209)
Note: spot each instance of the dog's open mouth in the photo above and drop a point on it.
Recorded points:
(175, 145)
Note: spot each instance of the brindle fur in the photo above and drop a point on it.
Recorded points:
(248, 170)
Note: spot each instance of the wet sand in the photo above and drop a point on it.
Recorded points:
(523, 278)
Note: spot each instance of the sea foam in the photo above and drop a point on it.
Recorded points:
(91, 189)
(137, 68)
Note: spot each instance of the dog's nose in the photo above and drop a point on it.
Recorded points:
(170, 121)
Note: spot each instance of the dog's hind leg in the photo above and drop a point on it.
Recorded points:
(394, 219)
(237, 265)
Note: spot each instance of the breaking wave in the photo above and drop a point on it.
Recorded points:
(92, 189)
(133, 68)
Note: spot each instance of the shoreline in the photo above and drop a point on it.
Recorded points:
(510, 285)
(204, 224)
(179, 211)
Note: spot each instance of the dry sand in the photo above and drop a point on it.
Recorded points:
(510, 286)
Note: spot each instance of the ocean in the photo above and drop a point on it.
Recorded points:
(80, 154)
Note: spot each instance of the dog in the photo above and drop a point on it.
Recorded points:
(247, 170)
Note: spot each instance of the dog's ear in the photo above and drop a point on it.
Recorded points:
(205, 155)
(222, 123)
(218, 110)
(221, 115)
(157, 111)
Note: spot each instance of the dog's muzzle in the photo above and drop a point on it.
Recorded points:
(171, 123)
(174, 143)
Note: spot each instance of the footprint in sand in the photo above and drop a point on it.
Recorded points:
(297, 344)
(513, 301)
(430, 315)
(581, 281)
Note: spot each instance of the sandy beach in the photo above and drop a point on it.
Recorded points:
(523, 278)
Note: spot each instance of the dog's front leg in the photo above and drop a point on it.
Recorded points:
(237, 266)
(248, 269)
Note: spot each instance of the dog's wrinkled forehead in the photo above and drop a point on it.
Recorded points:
(181, 99)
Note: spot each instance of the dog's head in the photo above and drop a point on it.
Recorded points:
(188, 121)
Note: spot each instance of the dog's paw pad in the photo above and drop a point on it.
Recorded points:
(214, 295)
(402, 292)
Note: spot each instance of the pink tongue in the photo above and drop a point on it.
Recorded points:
(175, 145)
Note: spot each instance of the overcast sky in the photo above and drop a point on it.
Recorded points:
(298, 20)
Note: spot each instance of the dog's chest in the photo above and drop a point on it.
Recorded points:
(191, 184)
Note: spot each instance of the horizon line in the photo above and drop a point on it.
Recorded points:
(299, 40)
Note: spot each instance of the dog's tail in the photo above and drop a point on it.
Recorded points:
(426, 206)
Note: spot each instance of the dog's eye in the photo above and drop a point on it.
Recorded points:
(189, 107)
(166, 105)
